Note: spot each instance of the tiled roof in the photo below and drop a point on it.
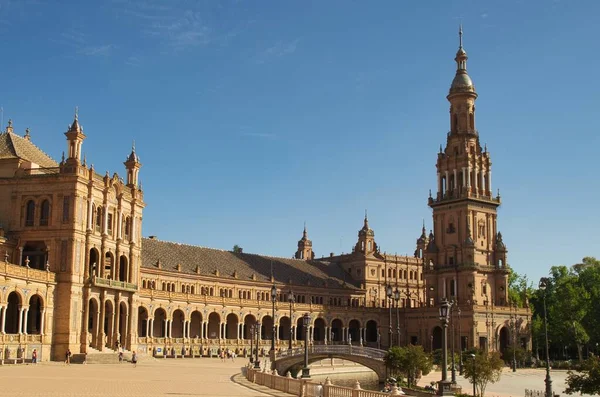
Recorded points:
(14, 146)
(300, 272)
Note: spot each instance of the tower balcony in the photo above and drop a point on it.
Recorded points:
(464, 193)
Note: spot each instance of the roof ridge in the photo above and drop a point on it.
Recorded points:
(222, 250)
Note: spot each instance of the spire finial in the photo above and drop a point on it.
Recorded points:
(133, 146)
(304, 233)
(366, 218)
(76, 112)
(460, 33)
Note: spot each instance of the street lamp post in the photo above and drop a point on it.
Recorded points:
(291, 299)
(389, 300)
(543, 284)
(474, 376)
(251, 343)
(257, 333)
(513, 329)
(306, 323)
(460, 344)
(397, 299)
(273, 300)
(444, 385)
(452, 303)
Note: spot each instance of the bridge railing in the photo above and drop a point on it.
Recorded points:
(307, 388)
(368, 352)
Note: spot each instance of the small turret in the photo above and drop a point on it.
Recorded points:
(132, 165)
(366, 239)
(75, 137)
(304, 247)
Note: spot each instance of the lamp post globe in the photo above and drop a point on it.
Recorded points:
(542, 286)
(306, 324)
(273, 300)
(474, 375)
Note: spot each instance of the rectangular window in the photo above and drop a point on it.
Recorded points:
(110, 223)
(66, 209)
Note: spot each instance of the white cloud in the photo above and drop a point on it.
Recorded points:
(277, 50)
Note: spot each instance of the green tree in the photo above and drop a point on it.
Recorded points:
(237, 249)
(519, 288)
(587, 382)
(484, 368)
(408, 361)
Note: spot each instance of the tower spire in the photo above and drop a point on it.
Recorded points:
(460, 32)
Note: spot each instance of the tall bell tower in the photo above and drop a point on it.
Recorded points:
(465, 255)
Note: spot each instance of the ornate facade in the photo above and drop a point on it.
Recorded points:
(77, 274)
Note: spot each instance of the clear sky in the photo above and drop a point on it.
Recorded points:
(252, 117)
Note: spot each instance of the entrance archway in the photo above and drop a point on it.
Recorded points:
(34, 315)
(504, 339)
(249, 320)
(12, 314)
(92, 322)
(371, 333)
(336, 330)
(231, 326)
(284, 328)
(354, 331)
(319, 330)
(142, 322)
(214, 324)
(266, 330)
(108, 324)
(159, 327)
(123, 316)
(177, 326)
(196, 324)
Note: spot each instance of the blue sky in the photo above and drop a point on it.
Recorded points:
(251, 117)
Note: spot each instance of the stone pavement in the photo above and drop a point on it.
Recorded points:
(165, 377)
(511, 384)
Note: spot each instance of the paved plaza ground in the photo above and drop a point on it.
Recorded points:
(170, 377)
(511, 384)
(194, 377)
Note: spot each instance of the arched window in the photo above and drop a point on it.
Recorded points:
(29, 213)
(127, 227)
(193, 290)
(99, 219)
(45, 213)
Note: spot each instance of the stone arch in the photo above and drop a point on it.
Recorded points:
(159, 327)
(504, 339)
(123, 269)
(93, 312)
(109, 260)
(214, 326)
(249, 320)
(266, 329)
(94, 260)
(437, 333)
(354, 331)
(336, 331)
(319, 330)
(231, 326)
(177, 323)
(196, 324)
(34, 315)
(285, 328)
(142, 321)
(107, 323)
(14, 301)
(372, 333)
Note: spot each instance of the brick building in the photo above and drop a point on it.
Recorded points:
(76, 273)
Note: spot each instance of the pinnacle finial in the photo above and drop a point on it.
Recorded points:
(460, 33)
(366, 217)
(133, 146)
(76, 112)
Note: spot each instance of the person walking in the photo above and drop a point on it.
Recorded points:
(68, 357)
(134, 359)
(34, 356)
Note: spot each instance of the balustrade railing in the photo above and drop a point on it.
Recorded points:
(368, 352)
(307, 388)
(97, 281)
(26, 273)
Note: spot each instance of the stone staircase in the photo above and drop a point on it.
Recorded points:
(106, 356)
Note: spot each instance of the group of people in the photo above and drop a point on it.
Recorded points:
(227, 353)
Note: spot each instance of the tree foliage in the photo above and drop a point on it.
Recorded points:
(483, 369)
(586, 382)
(409, 361)
(237, 249)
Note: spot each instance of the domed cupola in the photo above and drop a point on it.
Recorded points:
(432, 247)
(366, 239)
(500, 246)
(462, 83)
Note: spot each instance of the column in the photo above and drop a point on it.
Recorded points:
(489, 173)
(455, 179)
(276, 332)
(105, 219)
(25, 320)
(133, 228)
(89, 217)
(439, 182)
(3, 308)
(293, 331)
(151, 327)
(148, 327)
(170, 328)
(447, 184)
(119, 225)
(469, 176)
(476, 180)
(202, 331)
(327, 338)
(444, 287)
(20, 256)
(43, 315)
(100, 333)
(166, 322)
(189, 328)
(464, 174)
(20, 325)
